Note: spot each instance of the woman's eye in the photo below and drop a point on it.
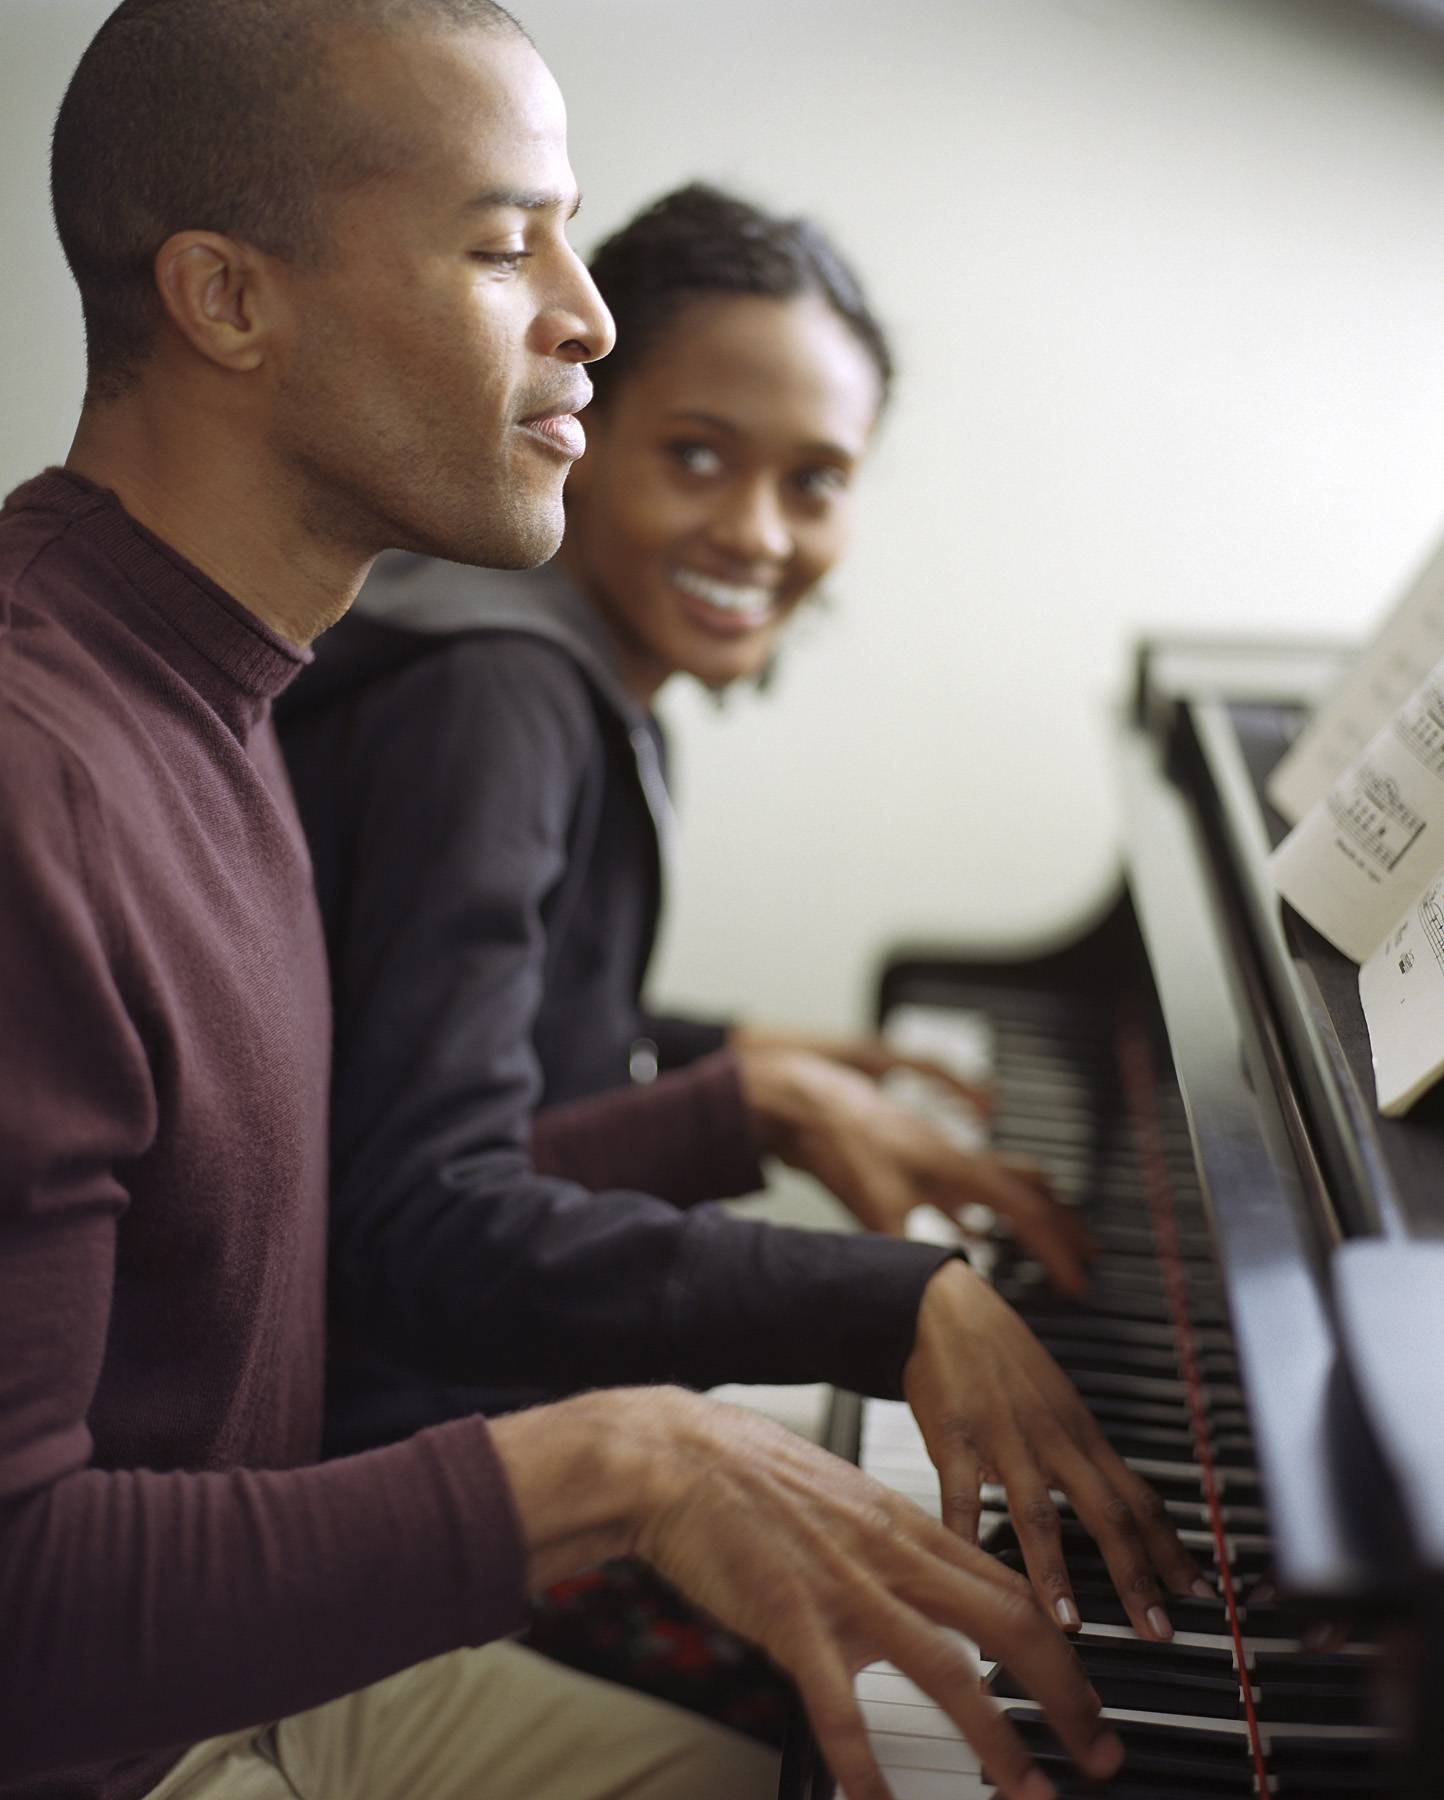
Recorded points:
(508, 261)
(819, 483)
(696, 459)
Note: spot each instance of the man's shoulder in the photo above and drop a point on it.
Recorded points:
(59, 727)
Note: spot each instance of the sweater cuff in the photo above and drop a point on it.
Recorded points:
(686, 1138)
(475, 1497)
(756, 1302)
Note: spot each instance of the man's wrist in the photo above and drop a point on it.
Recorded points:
(585, 1476)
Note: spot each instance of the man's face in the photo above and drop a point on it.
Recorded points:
(422, 391)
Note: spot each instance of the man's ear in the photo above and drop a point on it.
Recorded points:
(218, 295)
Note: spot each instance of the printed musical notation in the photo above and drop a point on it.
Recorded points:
(1419, 727)
(1410, 643)
(1431, 917)
(1375, 816)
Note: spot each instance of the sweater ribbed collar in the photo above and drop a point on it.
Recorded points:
(240, 664)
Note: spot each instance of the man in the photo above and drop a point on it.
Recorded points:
(330, 307)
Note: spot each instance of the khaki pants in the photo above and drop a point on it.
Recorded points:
(499, 1723)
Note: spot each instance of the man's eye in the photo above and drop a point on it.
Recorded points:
(696, 459)
(822, 482)
(508, 261)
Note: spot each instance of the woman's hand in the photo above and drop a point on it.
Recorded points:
(865, 1052)
(882, 1161)
(994, 1406)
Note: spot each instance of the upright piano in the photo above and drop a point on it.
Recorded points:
(1264, 1334)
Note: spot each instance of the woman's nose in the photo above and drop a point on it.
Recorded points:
(753, 525)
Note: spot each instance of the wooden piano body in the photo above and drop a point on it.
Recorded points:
(1196, 1067)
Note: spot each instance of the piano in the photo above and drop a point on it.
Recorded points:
(1264, 1335)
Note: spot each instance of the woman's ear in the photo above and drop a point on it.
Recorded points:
(217, 293)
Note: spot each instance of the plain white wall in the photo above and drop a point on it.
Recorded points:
(1165, 278)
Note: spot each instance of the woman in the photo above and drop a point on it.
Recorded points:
(482, 779)
(726, 437)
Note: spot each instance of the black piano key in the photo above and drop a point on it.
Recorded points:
(1303, 1767)
(1156, 1678)
(1309, 1688)
(1076, 1353)
(1211, 1764)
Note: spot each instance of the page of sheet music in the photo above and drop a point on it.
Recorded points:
(1410, 643)
(1402, 990)
(1361, 855)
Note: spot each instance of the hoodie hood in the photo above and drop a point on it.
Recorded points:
(408, 602)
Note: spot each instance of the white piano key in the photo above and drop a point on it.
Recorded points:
(930, 1784)
(960, 1040)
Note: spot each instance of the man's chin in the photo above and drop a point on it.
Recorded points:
(513, 537)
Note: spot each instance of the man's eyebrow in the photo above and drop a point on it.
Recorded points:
(525, 200)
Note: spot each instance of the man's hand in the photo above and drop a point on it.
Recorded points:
(805, 1556)
(882, 1161)
(994, 1406)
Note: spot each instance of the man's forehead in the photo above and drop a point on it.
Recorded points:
(475, 100)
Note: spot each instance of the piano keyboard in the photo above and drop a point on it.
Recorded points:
(1237, 1703)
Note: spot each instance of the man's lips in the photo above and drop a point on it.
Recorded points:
(558, 425)
(559, 431)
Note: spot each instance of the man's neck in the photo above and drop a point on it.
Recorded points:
(227, 512)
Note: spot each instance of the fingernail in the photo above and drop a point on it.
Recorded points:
(1158, 1622)
(1066, 1614)
(1316, 1637)
(1105, 1756)
(1036, 1786)
(1204, 1590)
(1264, 1593)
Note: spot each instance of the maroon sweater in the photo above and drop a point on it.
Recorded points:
(173, 1563)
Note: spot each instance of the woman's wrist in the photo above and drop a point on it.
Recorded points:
(781, 1093)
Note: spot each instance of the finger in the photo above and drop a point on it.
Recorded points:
(837, 1723)
(1176, 1566)
(967, 1558)
(1110, 1521)
(977, 1093)
(1071, 1220)
(885, 1198)
(1084, 1463)
(1179, 1569)
(1033, 1650)
(1043, 1225)
(1040, 1537)
(960, 1476)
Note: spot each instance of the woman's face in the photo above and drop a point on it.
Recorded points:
(717, 487)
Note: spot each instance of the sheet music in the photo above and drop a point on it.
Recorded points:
(1362, 854)
(1401, 987)
(1408, 646)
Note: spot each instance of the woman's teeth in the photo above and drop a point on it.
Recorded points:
(726, 596)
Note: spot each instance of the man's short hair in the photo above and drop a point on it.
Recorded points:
(211, 115)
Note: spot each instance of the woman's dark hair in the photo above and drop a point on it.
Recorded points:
(698, 243)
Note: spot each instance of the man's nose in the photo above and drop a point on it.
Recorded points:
(584, 327)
